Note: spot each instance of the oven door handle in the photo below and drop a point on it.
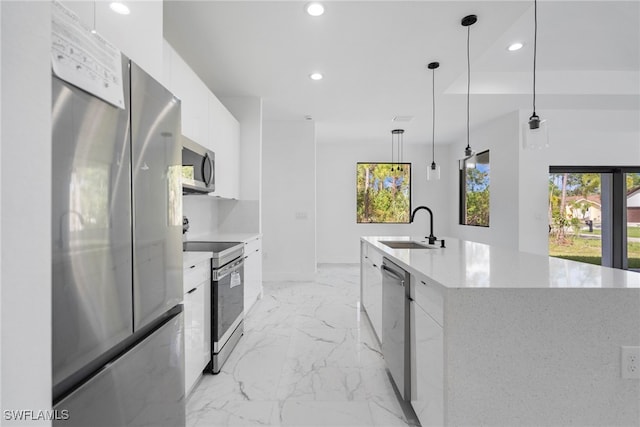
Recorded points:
(225, 271)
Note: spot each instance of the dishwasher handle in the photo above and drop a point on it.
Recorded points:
(390, 272)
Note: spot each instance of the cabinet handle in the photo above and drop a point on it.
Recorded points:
(375, 266)
(193, 266)
(192, 290)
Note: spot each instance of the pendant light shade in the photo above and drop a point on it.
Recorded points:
(93, 29)
(433, 171)
(534, 132)
(468, 21)
(397, 150)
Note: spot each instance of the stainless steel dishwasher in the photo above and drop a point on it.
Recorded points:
(395, 325)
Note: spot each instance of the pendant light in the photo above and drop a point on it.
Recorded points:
(535, 134)
(468, 21)
(433, 171)
(397, 143)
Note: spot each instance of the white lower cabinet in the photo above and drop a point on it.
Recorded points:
(193, 333)
(371, 288)
(427, 367)
(252, 272)
(197, 321)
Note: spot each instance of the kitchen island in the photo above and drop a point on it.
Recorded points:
(500, 337)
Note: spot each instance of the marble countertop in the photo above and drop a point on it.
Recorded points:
(465, 264)
(190, 258)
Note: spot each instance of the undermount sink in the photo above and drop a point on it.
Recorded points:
(406, 244)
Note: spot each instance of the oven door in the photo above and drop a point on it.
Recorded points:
(227, 301)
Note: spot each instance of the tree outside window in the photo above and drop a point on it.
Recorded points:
(474, 190)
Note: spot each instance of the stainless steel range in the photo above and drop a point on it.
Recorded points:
(227, 297)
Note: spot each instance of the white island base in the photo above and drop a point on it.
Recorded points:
(508, 338)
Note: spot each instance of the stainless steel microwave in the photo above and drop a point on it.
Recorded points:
(198, 168)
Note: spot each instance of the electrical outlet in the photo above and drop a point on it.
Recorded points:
(630, 362)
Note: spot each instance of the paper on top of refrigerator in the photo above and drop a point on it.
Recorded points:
(83, 58)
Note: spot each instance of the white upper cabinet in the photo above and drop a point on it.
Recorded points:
(224, 140)
(206, 121)
(186, 85)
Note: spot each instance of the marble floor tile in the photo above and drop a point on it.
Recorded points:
(325, 414)
(247, 413)
(308, 357)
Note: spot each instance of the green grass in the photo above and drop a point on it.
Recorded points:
(631, 231)
(590, 251)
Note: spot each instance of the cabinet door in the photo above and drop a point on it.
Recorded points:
(252, 273)
(224, 134)
(193, 93)
(194, 308)
(427, 368)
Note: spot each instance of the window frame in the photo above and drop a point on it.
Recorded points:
(615, 254)
(462, 191)
(410, 188)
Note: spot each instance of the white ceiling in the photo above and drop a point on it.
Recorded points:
(374, 55)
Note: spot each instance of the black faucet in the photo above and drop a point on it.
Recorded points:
(432, 238)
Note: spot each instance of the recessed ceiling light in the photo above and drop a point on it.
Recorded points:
(315, 9)
(120, 8)
(316, 76)
(515, 46)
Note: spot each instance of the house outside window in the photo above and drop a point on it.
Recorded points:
(594, 215)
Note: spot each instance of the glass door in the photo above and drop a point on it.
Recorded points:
(632, 183)
(594, 215)
(576, 216)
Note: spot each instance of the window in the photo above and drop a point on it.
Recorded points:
(632, 181)
(593, 215)
(474, 190)
(383, 193)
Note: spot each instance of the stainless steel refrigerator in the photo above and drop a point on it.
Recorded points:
(118, 346)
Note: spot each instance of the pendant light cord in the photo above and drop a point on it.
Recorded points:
(535, 43)
(433, 125)
(468, 83)
(401, 150)
(392, 151)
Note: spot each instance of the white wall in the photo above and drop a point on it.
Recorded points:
(338, 232)
(202, 212)
(577, 138)
(500, 137)
(289, 200)
(25, 376)
(519, 178)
